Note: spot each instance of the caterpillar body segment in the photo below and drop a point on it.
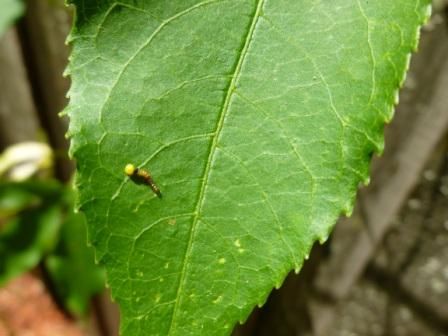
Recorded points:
(142, 176)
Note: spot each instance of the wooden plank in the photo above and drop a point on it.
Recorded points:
(421, 123)
(18, 118)
(43, 33)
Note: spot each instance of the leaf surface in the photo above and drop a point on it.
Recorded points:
(256, 119)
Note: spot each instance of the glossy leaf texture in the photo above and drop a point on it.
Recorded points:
(257, 119)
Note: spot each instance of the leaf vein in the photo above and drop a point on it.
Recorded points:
(212, 152)
(147, 43)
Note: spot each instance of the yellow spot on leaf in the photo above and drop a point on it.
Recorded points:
(218, 299)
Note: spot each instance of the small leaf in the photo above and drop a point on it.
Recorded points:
(25, 240)
(71, 266)
(14, 200)
(30, 218)
(256, 119)
(10, 10)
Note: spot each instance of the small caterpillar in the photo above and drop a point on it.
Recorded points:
(140, 175)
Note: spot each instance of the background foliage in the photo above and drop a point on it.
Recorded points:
(10, 10)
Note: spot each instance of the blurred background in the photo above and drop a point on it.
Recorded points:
(384, 271)
(49, 284)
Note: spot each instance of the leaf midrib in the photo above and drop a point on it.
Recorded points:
(211, 155)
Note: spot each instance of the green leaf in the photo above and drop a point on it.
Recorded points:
(14, 200)
(257, 120)
(19, 196)
(9, 11)
(30, 234)
(71, 266)
(24, 240)
(35, 226)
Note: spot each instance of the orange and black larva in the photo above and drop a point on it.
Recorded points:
(140, 175)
